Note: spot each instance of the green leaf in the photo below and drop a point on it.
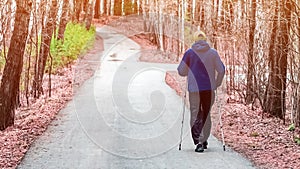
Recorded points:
(297, 140)
(291, 127)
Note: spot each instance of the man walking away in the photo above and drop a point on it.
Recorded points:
(200, 64)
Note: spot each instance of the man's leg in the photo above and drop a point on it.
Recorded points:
(194, 100)
(204, 108)
(206, 130)
(207, 125)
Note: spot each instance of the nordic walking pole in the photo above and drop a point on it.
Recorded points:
(183, 112)
(220, 120)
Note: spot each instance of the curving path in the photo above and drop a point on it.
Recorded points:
(125, 116)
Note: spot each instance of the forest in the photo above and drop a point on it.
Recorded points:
(258, 40)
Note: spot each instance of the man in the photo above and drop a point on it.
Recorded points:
(200, 64)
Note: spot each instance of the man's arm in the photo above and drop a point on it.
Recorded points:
(183, 67)
(220, 68)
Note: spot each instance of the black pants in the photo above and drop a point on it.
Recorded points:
(200, 105)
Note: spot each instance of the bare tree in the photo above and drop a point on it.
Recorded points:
(251, 71)
(279, 48)
(296, 118)
(47, 33)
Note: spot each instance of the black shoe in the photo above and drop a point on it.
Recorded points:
(205, 144)
(199, 148)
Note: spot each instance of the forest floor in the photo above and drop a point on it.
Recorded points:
(263, 139)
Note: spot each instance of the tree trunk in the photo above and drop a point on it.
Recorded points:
(77, 8)
(272, 52)
(215, 24)
(63, 20)
(135, 7)
(251, 72)
(189, 11)
(109, 7)
(89, 16)
(5, 24)
(160, 25)
(196, 12)
(202, 14)
(285, 26)
(47, 33)
(118, 7)
(297, 118)
(12, 71)
(85, 9)
(278, 61)
(182, 26)
(97, 9)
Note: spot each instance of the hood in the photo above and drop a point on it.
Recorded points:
(200, 46)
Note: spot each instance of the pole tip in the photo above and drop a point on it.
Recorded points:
(179, 147)
(224, 147)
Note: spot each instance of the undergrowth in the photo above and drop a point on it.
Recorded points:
(77, 40)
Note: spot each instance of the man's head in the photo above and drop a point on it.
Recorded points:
(199, 35)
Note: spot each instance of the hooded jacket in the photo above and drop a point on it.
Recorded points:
(200, 64)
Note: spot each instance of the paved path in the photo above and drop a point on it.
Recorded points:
(125, 117)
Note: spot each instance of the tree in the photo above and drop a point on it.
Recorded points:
(77, 10)
(63, 20)
(279, 48)
(5, 31)
(89, 15)
(251, 71)
(13, 68)
(97, 9)
(47, 33)
(118, 7)
(85, 8)
(297, 68)
(215, 23)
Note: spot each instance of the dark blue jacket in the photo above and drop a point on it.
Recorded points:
(200, 64)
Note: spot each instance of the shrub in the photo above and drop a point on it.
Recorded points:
(76, 42)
